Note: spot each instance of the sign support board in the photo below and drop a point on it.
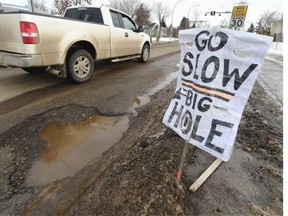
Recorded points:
(194, 187)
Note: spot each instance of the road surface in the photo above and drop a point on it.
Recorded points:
(135, 176)
(25, 95)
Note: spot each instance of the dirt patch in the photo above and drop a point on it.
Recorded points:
(137, 175)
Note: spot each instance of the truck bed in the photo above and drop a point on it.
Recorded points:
(55, 35)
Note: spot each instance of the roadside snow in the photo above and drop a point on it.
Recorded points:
(274, 54)
(277, 46)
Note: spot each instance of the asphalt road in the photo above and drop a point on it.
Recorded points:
(112, 85)
(112, 89)
(271, 78)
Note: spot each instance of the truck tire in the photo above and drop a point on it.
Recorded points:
(145, 53)
(80, 66)
(34, 70)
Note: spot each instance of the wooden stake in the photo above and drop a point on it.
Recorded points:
(194, 187)
(179, 172)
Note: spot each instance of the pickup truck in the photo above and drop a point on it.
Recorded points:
(68, 46)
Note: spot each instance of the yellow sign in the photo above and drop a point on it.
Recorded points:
(239, 11)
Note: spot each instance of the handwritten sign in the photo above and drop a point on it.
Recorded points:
(217, 71)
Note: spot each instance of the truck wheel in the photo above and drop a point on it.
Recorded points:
(80, 66)
(145, 53)
(34, 70)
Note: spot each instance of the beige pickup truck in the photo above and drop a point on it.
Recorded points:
(69, 45)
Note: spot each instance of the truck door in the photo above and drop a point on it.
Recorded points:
(124, 41)
(134, 39)
(118, 46)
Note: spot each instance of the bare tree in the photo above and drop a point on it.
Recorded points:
(242, 3)
(265, 22)
(224, 23)
(196, 13)
(129, 7)
(174, 31)
(40, 4)
(142, 15)
(161, 13)
(61, 5)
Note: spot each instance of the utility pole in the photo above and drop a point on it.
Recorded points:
(172, 18)
(32, 6)
(187, 22)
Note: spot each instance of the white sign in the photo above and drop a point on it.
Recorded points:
(216, 75)
(237, 22)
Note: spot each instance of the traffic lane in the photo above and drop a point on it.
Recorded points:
(271, 78)
(103, 69)
(14, 81)
(161, 49)
(112, 91)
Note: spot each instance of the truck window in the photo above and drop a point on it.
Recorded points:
(122, 21)
(8, 6)
(128, 24)
(115, 19)
(86, 14)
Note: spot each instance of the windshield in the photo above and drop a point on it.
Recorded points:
(16, 4)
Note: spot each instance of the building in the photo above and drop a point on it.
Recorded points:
(277, 30)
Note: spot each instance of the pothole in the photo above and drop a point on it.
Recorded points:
(73, 146)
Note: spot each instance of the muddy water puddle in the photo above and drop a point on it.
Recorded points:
(73, 146)
(137, 103)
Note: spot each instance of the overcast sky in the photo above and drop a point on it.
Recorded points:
(255, 8)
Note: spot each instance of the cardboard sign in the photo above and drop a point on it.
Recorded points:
(217, 71)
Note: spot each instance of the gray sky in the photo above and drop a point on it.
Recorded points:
(255, 8)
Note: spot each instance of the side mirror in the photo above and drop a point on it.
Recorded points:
(140, 29)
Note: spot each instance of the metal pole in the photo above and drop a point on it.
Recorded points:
(32, 6)
(188, 15)
(172, 18)
(277, 37)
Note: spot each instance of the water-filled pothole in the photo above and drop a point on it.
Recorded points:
(73, 146)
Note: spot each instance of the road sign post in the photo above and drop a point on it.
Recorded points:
(238, 17)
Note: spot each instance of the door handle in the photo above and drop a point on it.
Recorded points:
(126, 34)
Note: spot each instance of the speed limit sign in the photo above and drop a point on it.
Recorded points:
(237, 22)
(238, 16)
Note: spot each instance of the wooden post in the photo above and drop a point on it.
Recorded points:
(205, 175)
